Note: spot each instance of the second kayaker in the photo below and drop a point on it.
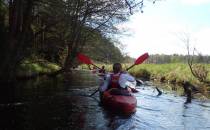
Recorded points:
(102, 70)
(118, 81)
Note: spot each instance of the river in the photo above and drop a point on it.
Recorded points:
(70, 108)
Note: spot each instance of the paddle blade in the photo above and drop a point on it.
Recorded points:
(141, 59)
(84, 59)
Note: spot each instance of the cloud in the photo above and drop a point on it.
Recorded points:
(195, 2)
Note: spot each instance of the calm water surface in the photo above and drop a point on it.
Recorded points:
(69, 108)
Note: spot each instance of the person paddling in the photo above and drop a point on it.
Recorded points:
(102, 70)
(119, 81)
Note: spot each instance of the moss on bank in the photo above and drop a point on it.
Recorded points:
(28, 68)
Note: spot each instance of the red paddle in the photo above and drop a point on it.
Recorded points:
(139, 60)
(84, 59)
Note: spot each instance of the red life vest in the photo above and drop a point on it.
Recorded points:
(114, 80)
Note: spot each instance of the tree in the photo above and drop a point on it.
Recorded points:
(17, 32)
(97, 15)
(55, 28)
(102, 49)
(199, 71)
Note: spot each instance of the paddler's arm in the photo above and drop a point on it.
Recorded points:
(126, 77)
(128, 81)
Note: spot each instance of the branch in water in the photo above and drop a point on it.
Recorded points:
(159, 92)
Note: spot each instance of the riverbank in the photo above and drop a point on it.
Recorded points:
(177, 75)
(29, 67)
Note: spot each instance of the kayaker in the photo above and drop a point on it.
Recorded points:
(119, 80)
(102, 70)
(94, 70)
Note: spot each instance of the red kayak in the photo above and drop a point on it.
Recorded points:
(125, 104)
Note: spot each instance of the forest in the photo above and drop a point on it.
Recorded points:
(56, 30)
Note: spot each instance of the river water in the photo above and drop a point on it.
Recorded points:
(70, 108)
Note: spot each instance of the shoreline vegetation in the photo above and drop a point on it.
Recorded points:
(176, 75)
(173, 74)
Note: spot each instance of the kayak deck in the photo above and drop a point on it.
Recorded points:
(119, 103)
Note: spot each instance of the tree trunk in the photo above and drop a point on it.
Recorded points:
(15, 47)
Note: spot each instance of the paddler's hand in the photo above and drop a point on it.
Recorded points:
(129, 89)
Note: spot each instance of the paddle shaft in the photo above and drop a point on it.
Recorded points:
(94, 92)
(130, 67)
(96, 66)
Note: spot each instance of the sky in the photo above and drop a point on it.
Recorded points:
(163, 26)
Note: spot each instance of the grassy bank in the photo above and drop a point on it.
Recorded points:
(29, 68)
(173, 73)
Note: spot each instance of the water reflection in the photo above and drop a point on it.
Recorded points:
(55, 107)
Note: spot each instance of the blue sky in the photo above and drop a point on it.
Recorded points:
(159, 29)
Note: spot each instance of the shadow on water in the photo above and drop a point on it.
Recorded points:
(54, 106)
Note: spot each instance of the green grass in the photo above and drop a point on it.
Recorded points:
(175, 71)
(28, 68)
